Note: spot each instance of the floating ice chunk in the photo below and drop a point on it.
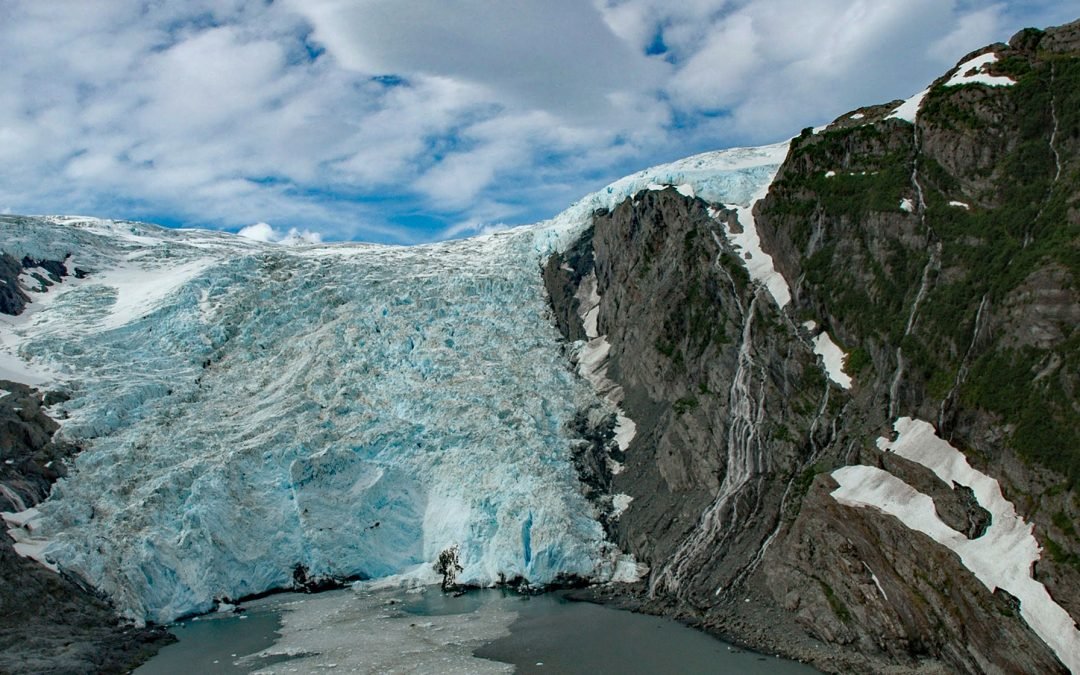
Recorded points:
(973, 71)
(364, 632)
(416, 577)
(909, 109)
(906, 204)
(1003, 557)
(833, 359)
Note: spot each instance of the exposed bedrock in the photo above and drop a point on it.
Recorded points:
(738, 430)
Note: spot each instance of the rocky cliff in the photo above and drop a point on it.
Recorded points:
(936, 241)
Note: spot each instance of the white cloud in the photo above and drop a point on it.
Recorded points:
(260, 232)
(266, 233)
(555, 55)
(222, 112)
(977, 28)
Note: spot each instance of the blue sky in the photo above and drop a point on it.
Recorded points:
(406, 121)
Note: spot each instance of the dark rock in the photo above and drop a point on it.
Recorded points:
(12, 298)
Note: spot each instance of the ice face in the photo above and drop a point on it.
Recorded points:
(351, 410)
(354, 409)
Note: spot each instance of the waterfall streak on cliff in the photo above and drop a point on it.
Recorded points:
(744, 460)
(962, 371)
(1054, 133)
(1028, 235)
(931, 263)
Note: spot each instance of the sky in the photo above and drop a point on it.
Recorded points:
(403, 121)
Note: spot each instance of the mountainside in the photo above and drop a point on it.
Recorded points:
(936, 241)
(819, 397)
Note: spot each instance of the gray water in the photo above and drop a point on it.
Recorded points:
(549, 635)
(553, 635)
(211, 643)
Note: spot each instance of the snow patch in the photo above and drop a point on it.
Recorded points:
(748, 245)
(906, 204)
(686, 190)
(832, 357)
(140, 290)
(830, 173)
(1003, 557)
(28, 543)
(960, 205)
(857, 116)
(973, 71)
(621, 502)
(16, 369)
(909, 109)
(877, 582)
(591, 357)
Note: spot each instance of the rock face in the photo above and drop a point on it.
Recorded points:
(12, 297)
(940, 253)
(52, 624)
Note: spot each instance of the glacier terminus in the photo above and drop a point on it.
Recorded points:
(248, 409)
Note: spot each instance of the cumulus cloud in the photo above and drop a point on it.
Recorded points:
(393, 121)
(266, 233)
(555, 55)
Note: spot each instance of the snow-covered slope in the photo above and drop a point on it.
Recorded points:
(355, 409)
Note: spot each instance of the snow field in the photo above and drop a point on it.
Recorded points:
(1003, 557)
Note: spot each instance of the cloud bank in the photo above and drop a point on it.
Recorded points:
(390, 121)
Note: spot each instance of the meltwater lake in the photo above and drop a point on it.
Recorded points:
(426, 631)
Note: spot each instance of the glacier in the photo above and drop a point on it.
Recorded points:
(246, 407)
